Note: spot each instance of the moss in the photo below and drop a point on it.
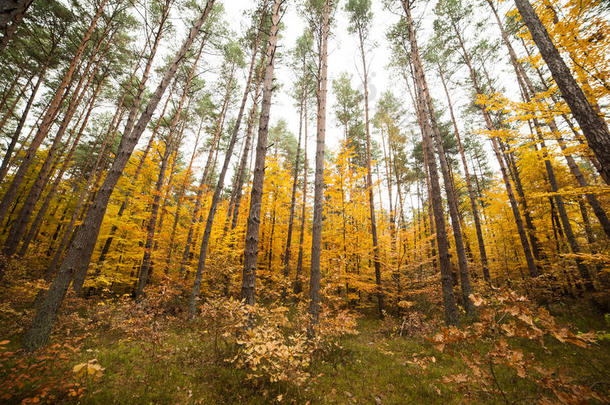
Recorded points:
(182, 366)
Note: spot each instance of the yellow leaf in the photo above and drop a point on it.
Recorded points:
(78, 368)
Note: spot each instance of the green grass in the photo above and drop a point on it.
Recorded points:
(182, 366)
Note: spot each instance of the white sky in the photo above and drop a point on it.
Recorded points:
(344, 56)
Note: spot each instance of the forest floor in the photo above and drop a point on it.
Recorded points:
(169, 361)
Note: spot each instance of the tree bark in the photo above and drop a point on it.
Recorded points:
(592, 125)
(318, 201)
(369, 179)
(471, 194)
(180, 200)
(11, 14)
(23, 217)
(228, 154)
(527, 250)
(529, 88)
(47, 121)
(248, 287)
(298, 282)
(451, 314)
(79, 253)
(11, 146)
(286, 258)
(171, 145)
(241, 177)
(452, 202)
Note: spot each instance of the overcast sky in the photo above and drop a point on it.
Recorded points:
(344, 56)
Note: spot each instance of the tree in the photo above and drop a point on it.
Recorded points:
(81, 248)
(360, 18)
(11, 14)
(44, 127)
(451, 316)
(248, 288)
(592, 125)
(451, 11)
(319, 15)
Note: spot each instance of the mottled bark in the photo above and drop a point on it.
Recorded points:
(451, 314)
(248, 287)
(47, 121)
(591, 123)
(79, 253)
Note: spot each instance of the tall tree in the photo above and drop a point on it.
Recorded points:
(235, 56)
(591, 123)
(320, 14)
(43, 129)
(451, 11)
(81, 248)
(301, 94)
(360, 19)
(451, 316)
(248, 286)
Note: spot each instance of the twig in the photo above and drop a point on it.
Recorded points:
(491, 367)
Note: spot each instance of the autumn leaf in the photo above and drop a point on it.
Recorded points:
(91, 368)
(476, 300)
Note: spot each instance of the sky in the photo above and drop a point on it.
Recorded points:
(344, 56)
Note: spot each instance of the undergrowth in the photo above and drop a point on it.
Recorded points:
(112, 351)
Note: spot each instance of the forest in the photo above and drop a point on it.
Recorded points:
(305, 201)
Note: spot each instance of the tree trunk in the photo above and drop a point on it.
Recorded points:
(529, 87)
(170, 147)
(79, 277)
(16, 99)
(209, 167)
(527, 250)
(369, 180)
(448, 182)
(298, 282)
(111, 133)
(134, 180)
(318, 202)
(23, 217)
(286, 258)
(563, 215)
(79, 253)
(194, 298)
(11, 14)
(241, 177)
(471, 194)
(180, 199)
(11, 147)
(592, 125)
(47, 121)
(248, 287)
(451, 314)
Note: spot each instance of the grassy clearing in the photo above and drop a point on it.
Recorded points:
(180, 364)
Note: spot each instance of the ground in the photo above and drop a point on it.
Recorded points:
(171, 361)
